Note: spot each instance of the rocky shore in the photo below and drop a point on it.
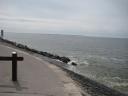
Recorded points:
(25, 47)
(87, 85)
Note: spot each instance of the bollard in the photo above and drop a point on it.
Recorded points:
(14, 60)
(14, 66)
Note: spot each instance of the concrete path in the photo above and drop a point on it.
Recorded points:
(35, 78)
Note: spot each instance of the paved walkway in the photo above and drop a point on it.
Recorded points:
(35, 78)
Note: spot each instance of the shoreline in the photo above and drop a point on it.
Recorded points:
(90, 86)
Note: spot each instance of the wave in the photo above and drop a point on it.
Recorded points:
(115, 81)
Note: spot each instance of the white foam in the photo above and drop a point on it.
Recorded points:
(72, 62)
(84, 63)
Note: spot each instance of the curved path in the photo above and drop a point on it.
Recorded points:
(35, 78)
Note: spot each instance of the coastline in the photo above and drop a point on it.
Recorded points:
(90, 86)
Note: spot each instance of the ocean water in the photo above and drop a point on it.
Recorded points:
(102, 59)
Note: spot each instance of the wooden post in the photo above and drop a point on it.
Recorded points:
(14, 60)
(14, 66)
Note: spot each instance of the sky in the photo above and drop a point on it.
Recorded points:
(105, 18)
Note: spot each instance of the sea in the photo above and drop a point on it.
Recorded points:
(99, 58)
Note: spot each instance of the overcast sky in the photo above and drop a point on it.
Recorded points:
(77, 17)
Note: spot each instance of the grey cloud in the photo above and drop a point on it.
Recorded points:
(110, 16)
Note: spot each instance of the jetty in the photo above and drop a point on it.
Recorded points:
(35, 77)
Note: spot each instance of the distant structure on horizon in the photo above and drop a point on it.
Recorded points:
(2, 33)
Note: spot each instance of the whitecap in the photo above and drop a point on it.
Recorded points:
(84, 63)
(70, 63)
(117, 59)
(115, 81)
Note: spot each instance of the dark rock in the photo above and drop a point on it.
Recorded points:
(74, 64)
(65, 59)
(57, 57)
(20, 46)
